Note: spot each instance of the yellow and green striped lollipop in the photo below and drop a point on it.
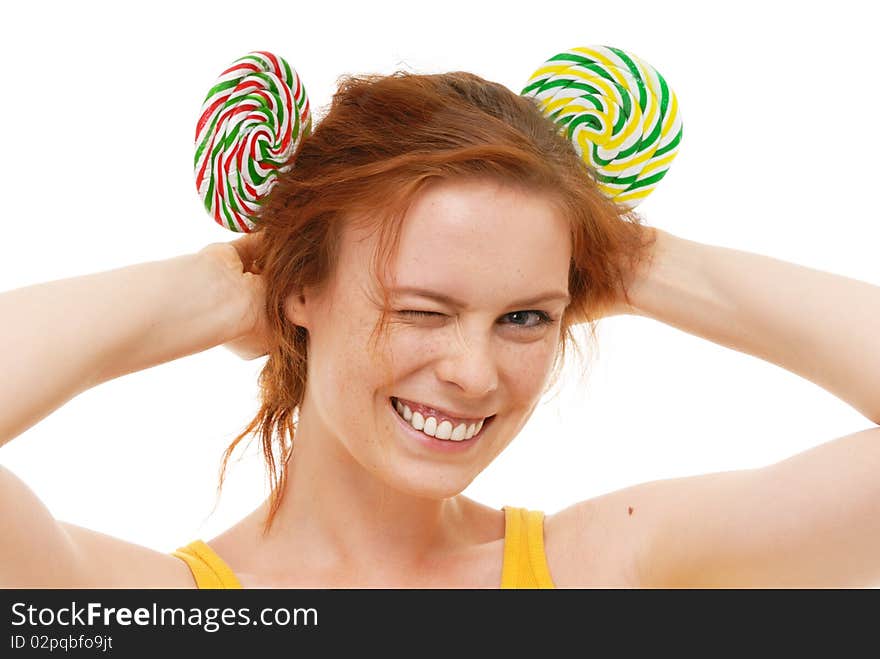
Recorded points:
(619, 113)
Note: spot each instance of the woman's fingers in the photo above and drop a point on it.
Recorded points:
(249, 250)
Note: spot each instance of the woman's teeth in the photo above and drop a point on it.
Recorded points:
(443, 430)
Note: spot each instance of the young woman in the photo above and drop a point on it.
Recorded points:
(413, 280)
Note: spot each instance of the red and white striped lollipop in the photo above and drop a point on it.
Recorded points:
(251, 122)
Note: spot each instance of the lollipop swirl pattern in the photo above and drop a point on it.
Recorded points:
(620, 115)
(251, 122)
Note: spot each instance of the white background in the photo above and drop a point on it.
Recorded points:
(779, 157)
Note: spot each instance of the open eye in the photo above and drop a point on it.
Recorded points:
(542, 318)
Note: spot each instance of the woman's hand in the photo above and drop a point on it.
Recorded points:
(237, 262)
(634, 274)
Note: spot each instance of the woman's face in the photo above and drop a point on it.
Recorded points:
(497, 260)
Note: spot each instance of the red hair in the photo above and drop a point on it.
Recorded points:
(382, 139)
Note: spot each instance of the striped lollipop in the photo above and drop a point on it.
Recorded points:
(252, 120)
(618, 112)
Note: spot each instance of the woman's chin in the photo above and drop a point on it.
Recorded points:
(427, 483)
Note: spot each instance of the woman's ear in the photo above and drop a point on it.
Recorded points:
(296, 309)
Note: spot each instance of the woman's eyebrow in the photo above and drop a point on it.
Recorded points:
(547, 296)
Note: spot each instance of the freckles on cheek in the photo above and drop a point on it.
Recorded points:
(409, 348)
(346, 358)
(532, 369)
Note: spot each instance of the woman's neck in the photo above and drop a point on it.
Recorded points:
(338, 517)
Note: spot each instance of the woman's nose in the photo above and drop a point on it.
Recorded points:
(469, 362)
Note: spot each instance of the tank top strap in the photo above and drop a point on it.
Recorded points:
(525, 561)
(208, 569)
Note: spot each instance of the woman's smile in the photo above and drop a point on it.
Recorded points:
(439, 436)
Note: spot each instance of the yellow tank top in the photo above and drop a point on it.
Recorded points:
(525, 562)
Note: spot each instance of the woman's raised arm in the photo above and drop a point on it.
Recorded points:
(810, 520)
(63, 337)
(60, 338)
(821, 326)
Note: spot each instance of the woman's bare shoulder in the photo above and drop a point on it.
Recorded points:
(108, 562)
(599, 542)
